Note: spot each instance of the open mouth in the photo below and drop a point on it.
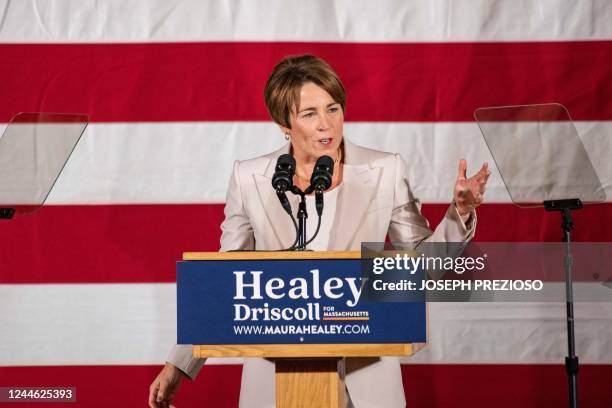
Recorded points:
(326, 141)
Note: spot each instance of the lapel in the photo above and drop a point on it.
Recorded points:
(280, 222)
(360, 181)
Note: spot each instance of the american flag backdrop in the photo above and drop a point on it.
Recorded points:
(174, 91)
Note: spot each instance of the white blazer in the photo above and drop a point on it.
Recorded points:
(375, 201)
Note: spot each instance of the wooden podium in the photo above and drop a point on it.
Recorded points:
(307, 375)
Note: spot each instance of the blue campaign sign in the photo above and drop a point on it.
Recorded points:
(294, 301)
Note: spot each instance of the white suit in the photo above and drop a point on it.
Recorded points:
(375, 201)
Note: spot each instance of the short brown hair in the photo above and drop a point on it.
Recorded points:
(282, 91)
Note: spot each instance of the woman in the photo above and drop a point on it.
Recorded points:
(369, 199)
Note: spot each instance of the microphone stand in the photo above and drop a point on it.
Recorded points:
(567, 225)
(302, 215)
(320, 181)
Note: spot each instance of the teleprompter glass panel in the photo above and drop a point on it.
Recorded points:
(539, 154)
(33, 151)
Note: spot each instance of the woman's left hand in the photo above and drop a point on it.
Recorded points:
(468, 192)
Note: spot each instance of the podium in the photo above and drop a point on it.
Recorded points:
(308, 363)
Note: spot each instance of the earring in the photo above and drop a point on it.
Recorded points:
(287, 136)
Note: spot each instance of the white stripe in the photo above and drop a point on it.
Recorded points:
(130, 324)
(509, 333)
(41, 21)
(191, 162)
(81, 324)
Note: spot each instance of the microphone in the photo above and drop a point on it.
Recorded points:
(282, 180)
(283, 173)
(321, 180)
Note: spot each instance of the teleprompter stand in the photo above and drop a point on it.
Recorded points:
(567, 225)
(542, 161)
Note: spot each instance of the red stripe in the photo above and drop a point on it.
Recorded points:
(224, 81)
(141, 243)
(425, 386)
(503, 386)
(126, 386)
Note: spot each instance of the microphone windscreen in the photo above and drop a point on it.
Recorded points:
(282, 180)
(322, 175)
(286, 162)
(327, 163)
